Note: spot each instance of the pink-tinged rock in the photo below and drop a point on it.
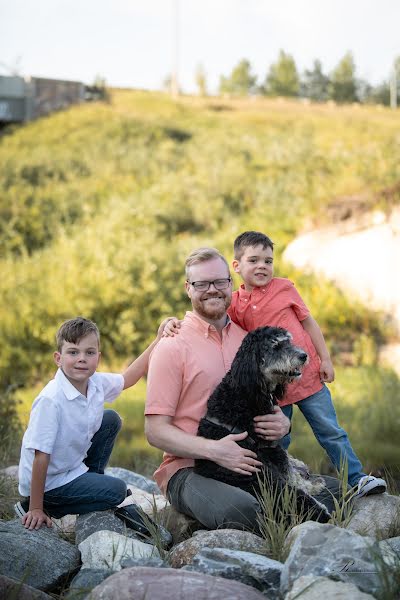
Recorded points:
(144, 583)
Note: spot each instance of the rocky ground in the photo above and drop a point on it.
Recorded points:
(96, 557)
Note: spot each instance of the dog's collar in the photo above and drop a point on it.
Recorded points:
(215, 421)
(234, 429)
(229, 428)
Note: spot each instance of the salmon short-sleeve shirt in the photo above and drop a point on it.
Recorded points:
(279, 304)
(183, 372)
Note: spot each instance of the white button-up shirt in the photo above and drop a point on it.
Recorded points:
(62, 424)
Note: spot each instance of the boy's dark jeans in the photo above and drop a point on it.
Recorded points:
(93, 490)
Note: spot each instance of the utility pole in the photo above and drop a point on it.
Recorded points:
(393, 88)
(175, 51)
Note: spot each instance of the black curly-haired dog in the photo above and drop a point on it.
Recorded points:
(265, 363)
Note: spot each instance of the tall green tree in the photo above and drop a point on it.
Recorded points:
(241, 82)
(315, 83)
(343, 85)
(283, 78)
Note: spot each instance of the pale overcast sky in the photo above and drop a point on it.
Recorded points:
(131, 42)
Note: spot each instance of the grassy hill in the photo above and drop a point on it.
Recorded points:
(100, 204)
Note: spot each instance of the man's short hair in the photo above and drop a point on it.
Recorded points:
(202, 255)
(74, 330)
(250, 238)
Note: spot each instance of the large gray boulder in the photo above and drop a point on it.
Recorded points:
(87, 579)
(183, 553)
(326, 550)
(257, 571)
(309, 587)
(142, 583)
(39, 558)
(375, 515)
(11, 589)
(391, 545)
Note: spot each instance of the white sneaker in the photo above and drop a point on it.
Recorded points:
(369, 485)
(19, 508)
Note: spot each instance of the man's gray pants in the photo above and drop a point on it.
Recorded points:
(219, 505)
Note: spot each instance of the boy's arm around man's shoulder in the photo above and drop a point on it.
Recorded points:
(139, 367)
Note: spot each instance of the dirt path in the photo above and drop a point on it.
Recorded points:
(361, 257)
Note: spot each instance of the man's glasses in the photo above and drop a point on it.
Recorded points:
(204, 286)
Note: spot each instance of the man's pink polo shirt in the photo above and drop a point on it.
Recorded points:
(279, 304)
(183, 371)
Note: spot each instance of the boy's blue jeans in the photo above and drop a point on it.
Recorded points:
(319, 412)
(93, 490)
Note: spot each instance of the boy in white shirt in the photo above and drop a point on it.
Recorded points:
(70, 436)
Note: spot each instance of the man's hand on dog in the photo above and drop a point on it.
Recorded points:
(227, 453)
(272, 427)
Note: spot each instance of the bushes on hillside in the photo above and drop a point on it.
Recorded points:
(100, 205)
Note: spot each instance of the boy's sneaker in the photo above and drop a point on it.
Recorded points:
(131, 515)
(369, 485)
(21, 508)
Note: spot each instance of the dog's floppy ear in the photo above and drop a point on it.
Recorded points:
(280, 336)
(245, 369)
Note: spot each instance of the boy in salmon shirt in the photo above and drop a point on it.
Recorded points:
(262, 300)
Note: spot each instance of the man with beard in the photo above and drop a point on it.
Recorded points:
(184, 370)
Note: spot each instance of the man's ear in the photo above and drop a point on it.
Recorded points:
(235, 265)
(57, 358)
(187, 288)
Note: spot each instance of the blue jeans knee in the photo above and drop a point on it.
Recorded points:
(103, 442)
(111, 420)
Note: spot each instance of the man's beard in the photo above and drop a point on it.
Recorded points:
(210, 310)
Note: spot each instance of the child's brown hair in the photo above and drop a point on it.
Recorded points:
(75, 329)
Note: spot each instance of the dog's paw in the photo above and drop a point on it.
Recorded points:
(299, 467)
(323, 516)
(320, 512)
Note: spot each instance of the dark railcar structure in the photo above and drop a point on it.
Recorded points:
(24, 99)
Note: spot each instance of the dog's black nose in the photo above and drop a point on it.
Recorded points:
(303, 356)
